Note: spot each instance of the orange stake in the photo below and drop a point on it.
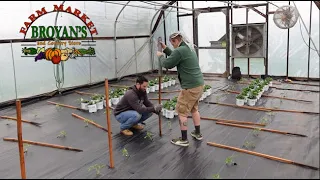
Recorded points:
(109, 123)
(160, 133)
(20, 142)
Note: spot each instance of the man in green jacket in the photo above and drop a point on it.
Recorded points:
(192, 84)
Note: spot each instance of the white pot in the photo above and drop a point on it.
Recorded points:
(121, 97)
(169, 83)
(156, 86)
(204, 95)
(245, 99)
(84, 106)
(152, 88)
(92, 108)
(148, 90)
(270, 83)
(115, 101)
(175, 113)
(240, 102)
(252, 102)
(105, 103)
(267, 87)
(164, 112)
(209, 92)
(161, 85)
(173, 82)
(165, 84)
(100, 105)
(170, 114)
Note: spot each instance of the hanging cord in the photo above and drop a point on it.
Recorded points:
(56, 68)
(129, 62)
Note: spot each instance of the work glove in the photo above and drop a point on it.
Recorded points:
(157, 109)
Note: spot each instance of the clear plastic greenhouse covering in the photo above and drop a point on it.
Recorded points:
(116, 56)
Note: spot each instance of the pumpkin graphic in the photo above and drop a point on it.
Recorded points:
(50, 52)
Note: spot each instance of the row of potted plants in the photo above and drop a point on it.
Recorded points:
(166, 81)
(92, 105)
(252, 93)
(207, 91)
(116, 95)
(168, 109)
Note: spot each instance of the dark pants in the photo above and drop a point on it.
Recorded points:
(131, 118)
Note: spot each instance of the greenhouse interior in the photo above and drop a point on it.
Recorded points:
(68, 66)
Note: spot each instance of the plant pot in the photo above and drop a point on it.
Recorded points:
(152, 88)
(165, 84)
(270, 83)
(161, 85)
(100, 105)
(209, 92)
(115, 101)
(92, 108)
(175, 113)
(169, 83)
(105, 103)
(267, 87)
(164, 112)
(121, 97)
(84, 106)
(240, 102)
(204, 95)
(170, 114)
(148, 90)
(173, 82)
(156, 86)
(252, 102)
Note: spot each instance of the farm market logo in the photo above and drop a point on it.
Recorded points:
(64, 49)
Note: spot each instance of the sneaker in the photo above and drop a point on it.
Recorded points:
(197, 136)
(127, 132)
(138, 127)
(180, 142)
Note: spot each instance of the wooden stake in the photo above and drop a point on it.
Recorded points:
(44, 144)
(261, 155)
(230, 121)
(174, 91)
(20, 143)
(263, 109)
(91, 122)
(109, 124)
(316, 85)
(22, 120)
(120, 86)
(262, 129)
(278, 97)
(159, 100)
(289, 89)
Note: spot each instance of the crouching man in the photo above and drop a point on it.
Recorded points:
(135, 107)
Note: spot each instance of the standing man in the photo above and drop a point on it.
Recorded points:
(135, 107)
(192, 84)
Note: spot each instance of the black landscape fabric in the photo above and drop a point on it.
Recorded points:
(157, 157)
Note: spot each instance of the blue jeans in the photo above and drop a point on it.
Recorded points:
(131, 118)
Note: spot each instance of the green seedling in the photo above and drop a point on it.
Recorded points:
(149, 136)
(125, 152)
(96, 167)
(62, 134)
(256, 131)
(264, 121)
(270, 113)
(87, 122)
(58, 107)
(249, 145)
(169, 125)
(25, 146)
(229, 160)
(216, 176)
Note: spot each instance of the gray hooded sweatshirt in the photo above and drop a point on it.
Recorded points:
(135, 100)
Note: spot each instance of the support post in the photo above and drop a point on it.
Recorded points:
(288, 40)
(20, 142)
(228, 39)
(195, 30)
(178, 20)
(309, 40)
(106, 84)
(159, 94)
(267, 43)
